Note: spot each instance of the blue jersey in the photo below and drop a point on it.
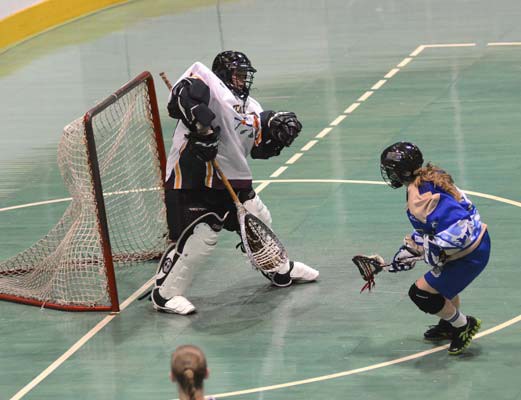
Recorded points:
(454, 225)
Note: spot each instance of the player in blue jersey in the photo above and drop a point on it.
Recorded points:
(448, 233)
(188, 369)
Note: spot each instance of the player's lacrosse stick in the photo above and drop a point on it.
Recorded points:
(370, 266)
(262, 246)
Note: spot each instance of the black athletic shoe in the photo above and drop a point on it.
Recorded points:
(442, 331)
(463, 336)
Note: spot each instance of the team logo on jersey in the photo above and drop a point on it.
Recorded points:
(243, 127)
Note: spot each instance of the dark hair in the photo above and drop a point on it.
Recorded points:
(189, 368)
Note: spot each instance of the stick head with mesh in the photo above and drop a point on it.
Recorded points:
(263, 248)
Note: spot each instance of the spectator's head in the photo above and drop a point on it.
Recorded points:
(189, 369)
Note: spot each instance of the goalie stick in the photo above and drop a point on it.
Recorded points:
(263, 248)
(370, 266)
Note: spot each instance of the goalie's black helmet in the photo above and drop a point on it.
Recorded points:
(398, 163)
(232, 63)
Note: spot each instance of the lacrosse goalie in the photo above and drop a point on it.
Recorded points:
(448, 235)
(217, 119)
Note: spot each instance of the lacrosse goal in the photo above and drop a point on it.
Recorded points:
(112, 161)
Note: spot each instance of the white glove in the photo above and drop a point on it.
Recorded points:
(404, 260)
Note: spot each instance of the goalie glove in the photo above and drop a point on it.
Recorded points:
(368, 266)
(284, 127)
(204, 145)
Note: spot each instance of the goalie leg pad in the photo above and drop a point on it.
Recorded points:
(175, 271)
(259, 209)
(431, 303)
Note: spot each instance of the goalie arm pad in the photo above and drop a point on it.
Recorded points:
(279, 130)
(189, 101)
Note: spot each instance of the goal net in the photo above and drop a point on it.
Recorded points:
(112, 161)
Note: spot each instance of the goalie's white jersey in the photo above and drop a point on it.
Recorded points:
(240, 129)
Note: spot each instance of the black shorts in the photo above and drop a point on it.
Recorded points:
(183, 206)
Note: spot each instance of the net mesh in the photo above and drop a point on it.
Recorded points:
(67, 266)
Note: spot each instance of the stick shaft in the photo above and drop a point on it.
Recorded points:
(225, 180)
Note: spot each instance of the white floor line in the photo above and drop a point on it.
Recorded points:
(337, 120)
(309, 145)
(351, 108)
(379, 84)
(391, 73)
(417, 51)
(323, 132)
(448, 45)
(294, 158)
(39, 203)
(365, 96)
(279, 171)
(504, 44)
(404, 62)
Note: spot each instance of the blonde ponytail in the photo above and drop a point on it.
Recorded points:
(434, 174)
(189, 379)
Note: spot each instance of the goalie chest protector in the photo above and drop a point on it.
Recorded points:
(240, 128)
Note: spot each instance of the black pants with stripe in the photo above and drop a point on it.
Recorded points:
(183, 206)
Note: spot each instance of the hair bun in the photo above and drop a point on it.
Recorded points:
(189, 373)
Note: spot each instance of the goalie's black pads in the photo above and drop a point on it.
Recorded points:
(204, 145)
(189, 102)
(431, 303)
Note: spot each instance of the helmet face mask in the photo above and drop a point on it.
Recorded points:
(236, 72)
(399, 162)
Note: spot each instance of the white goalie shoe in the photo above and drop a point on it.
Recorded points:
(176, 305)
(302, 272)
(298, 272)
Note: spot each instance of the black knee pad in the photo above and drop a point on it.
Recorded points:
(430, 303)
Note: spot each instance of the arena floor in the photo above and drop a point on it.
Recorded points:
(444, 74)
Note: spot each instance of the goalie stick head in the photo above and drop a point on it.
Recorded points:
(398, 163)
(264, 249)
(236, 71)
